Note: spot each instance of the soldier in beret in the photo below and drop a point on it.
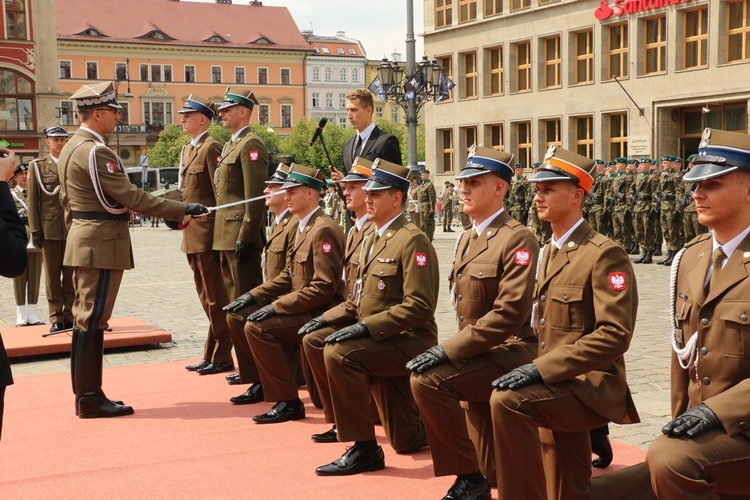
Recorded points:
(48, 231)
(97, 196)
(666, 191)
(585, 305)
(427, 200)
(691, 226)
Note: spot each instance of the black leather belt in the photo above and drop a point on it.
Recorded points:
(77, 214)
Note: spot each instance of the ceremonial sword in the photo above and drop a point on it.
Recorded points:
(183, 225)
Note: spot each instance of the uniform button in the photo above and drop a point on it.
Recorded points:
(542, 322)
(705, 321)
(543, 298)
(381, 334)
(565, 297)
(348, 280)
(460, 318)
(459, 275)
(480, 273)
(704, 351)
(381, 273)
(706, 381)
(742, 424)
(743, 317)
(542, 344)
(460, 297)
(516, 337)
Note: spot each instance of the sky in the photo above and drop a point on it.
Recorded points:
(379, 25)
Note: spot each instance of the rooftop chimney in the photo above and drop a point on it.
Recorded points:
(224, 1)
(257, 3)
(341, 34)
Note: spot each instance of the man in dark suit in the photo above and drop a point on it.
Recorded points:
(370, 142)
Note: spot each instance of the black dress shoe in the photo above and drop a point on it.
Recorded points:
(67, 326)
(354, 461)
(234, 379)
(195, 368)
(601, 446)
(213, 368)
(98, 406)
(330, 436)
(56, 327)
(464, 489)
(251, 396)
(283, 411)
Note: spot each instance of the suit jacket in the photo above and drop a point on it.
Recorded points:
(311, 281)
(102, 244)
(722, 380)
(198, 167)
(241, 175)
(379, 145)
(352, 256)
(494, 287)
(587, 308)
(45, 211)
(279, 242)
(12, 236)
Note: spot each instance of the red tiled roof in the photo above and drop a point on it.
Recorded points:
(186, 22)
(333, 46)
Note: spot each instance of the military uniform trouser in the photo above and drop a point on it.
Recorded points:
(595, 220)
(26, 285)
(669, 229)
(427, 219)
(644, 230)
(447, 216)
(414, 216)
(59, 282)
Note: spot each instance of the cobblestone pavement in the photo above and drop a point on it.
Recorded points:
(160, 291)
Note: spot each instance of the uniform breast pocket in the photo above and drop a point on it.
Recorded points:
(231, 169)
(275, 258)
(301, 267)
(682, 312)
(482, 282)
(192, 179)
(383, 281)
(734, 318)
(565, 309)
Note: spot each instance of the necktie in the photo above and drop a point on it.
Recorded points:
(358, 148)
(716, 259)
(472, 239)
(375, 239)
(552, 253)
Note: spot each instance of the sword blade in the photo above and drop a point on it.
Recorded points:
(242, 202)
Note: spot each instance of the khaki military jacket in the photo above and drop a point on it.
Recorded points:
(197, 169)
(102, 244)
(666, 190)
(279, 242)
(587, 308)
(427, 197)
(721, 318)
(494, 285)
(413, 197)
(446, 198)
(45, 209)
(241, 175)
(311, 281)
(598, 194)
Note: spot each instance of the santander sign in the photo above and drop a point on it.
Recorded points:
(625, 7)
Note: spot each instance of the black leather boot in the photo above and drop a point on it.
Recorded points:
(643, 257)
(670, 257)
(665, 259)
(92, 403)
(73, 343)
(601, 447)
(657, 252)
(648, 259)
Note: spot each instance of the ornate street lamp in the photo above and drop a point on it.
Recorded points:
(127, 95)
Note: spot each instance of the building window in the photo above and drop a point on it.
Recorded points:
(329, 99)
(696, 38)
(656, 45)
(121, 72)
(66, 71)
(545, 2)
(493, 7)
(378, 111)
(124, 114)
(469, 61)
(445, 152)
(495, 136)
(144, 72)
(738, 32)
(519, 4)
(584, 56)
(523, 66)
(467, 10)
(340, 51)
(329, 74)
(316, 74)
(523, 143)
(92, 70)
(342, 101)
(446, 62)
(342, 121)
(286, 76)
(552, 62)
(316, 100)
(443, 13)
(264, 111)
(155, 73)
(167, 72)
(618, 51)
(326, 51)
(239, 74)
(468, 139)
(355, 75)
(394, 114)
(584, 138)
(157, 115)
(618, 135)
(15, 19)
(286, 116)
(189, 74)
(262, 76)
(342, 75)
(215, 74)
(495, 65)
(67, 115)
(552, 134)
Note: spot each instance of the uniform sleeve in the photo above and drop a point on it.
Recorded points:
(282, 283)
(420, 292)
(12, 236)
(254, 159)
(614, 321)
(732, 407)
(33, 198)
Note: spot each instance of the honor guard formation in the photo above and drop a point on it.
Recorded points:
(338, 294)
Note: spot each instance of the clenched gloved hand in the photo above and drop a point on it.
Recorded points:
(242, 250)
(518, 377)
(264, 312)
(432, 357)
(240, 302)
(37, 238)
(692, 422)
(195, 209)
(355, 331)
(312, 325)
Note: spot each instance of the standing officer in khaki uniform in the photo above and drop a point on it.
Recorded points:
(394, 312)
(446, 197)
(239, 231)
(427, 200)
(198, 162)
(48, 231)
(413, 203)
(97, 196)
(492, 283)
(310, 284)
(585, 304)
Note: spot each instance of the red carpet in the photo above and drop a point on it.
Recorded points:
(126, 332)
(186, 439)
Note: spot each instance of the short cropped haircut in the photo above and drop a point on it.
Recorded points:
(364, 96)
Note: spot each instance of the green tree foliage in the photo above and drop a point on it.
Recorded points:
(166, 151)
(399, 131)
(297, 143)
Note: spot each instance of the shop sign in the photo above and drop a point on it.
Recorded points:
(20, 143)
(627, 7)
